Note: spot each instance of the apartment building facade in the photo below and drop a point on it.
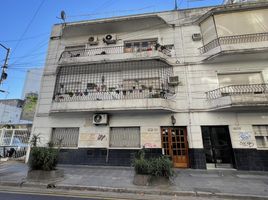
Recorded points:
(190, 84)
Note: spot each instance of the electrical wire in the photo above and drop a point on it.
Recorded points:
(26, 38)
(28, 26)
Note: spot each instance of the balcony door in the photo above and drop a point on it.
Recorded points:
(175, 145)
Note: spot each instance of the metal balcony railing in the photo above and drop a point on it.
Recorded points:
(86, 95)
(237, 90)
(236, 39)
(110, 50)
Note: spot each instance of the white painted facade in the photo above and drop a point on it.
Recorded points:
(190, 105)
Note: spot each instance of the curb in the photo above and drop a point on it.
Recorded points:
(135, 191)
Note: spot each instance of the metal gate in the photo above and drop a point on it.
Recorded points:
(14, 143)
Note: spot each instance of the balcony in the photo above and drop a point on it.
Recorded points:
(239, 97)
(117, 86)
(113, 101)
(114, 53)
(247, 43)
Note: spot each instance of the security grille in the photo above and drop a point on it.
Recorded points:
(112, 81)
(125, 137)
(261, 135)
(65, 137)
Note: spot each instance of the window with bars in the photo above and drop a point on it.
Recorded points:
(139, 45)
(66, 137)
(112, 81)
(261, 135)
(125, 137)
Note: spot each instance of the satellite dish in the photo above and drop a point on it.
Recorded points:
(63, 15)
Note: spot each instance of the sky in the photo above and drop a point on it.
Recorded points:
(25, 27)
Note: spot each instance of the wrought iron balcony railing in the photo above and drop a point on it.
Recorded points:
(113, 81)
(238, 90)
(236, 39)
(113, 94)
(110, 50)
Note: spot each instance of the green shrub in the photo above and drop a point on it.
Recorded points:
(142, 166)
(161, 166)
(42, 158)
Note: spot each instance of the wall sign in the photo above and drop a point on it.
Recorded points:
(150, 137)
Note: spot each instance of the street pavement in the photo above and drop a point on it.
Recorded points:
(199, 183)
(72, 195)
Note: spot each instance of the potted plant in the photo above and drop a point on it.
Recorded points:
(71, 94)
(152, 170)
(85, 92)
(43, 161)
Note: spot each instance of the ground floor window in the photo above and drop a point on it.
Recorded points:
(125, 137)
(66, 137)
(261, 135)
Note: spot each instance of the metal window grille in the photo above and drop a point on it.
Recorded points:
(261, 135)
(128, 137)
(67, 136)
(112, 81)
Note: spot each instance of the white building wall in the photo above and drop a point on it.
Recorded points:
(192, 108)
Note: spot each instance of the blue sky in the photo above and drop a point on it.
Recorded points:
(28, 36)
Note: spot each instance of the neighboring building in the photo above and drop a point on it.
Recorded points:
(32, 82)
(10, 111)
(191, 84)
(30, 93)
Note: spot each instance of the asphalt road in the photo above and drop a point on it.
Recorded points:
(20, 196)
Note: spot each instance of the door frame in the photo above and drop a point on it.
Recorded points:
(170, 149)
(233, 162)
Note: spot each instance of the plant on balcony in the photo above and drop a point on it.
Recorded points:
(77, 93)
(61, 97)
(156, 95)
(71, 94)
(85, 92)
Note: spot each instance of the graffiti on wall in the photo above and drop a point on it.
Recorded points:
(94, 137)
(245, 139)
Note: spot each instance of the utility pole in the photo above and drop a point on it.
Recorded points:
(176, 5)
(4, 67)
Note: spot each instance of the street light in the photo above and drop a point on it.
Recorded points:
(4, 67)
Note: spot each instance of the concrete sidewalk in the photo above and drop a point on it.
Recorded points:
(217, 183)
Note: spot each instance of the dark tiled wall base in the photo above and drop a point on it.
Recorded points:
(197, 159)
(116, 157)
(251, 159)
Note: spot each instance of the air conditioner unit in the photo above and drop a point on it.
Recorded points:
(196, 37)
(110, 39)
(93, 40)
(173, 80)
(100, 119)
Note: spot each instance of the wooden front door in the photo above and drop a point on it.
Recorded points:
(175, 145)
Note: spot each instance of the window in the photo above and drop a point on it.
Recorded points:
(67, 136)
(128, 137)
(138, 46)
(240, 79)
(261, 135)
